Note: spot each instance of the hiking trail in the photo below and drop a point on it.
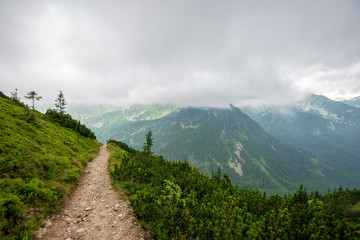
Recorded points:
(94, 210)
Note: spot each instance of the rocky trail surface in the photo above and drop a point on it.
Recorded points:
(94, 210)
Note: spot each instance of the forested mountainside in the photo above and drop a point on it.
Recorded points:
(41, 158)
(175, 201)
(327, 128)
(228, 139)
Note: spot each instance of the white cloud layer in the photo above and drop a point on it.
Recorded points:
(207, 53)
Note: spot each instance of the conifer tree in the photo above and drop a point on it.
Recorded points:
(14, 95)
(148, 144)
(60, 102)
(33, 96)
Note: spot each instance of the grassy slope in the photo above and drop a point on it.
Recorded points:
(115, 154)
(40, 162)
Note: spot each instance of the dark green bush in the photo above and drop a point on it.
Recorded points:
(66, 120)
(73, 175)
(36, 193)
(11, 212)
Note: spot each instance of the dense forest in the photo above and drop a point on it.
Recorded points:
(40, 163)
(175, 201)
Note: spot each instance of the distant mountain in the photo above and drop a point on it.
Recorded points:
(327, 128)
(212, 138)
(105, 119)
(355, 102)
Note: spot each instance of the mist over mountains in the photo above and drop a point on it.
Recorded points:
(355, 102)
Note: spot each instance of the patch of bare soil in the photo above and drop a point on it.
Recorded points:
(94, 210)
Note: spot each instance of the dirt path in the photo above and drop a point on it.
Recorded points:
(94, 210)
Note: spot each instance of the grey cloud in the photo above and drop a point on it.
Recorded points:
(182, 52)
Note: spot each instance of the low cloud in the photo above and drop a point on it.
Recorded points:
(204, 53)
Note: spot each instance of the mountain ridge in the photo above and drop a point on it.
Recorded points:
(317, 124)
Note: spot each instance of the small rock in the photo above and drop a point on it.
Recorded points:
(87, 209)
(116, 207)
(80, 230)
(120, 215)
(47, 223)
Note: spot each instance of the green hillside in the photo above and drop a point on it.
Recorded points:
(328, 129)
(175, 201)
(40, 163)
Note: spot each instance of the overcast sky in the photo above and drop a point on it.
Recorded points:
(187, 52)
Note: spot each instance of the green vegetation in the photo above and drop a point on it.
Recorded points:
(67, 121)
(40, 163)
(176, 201)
